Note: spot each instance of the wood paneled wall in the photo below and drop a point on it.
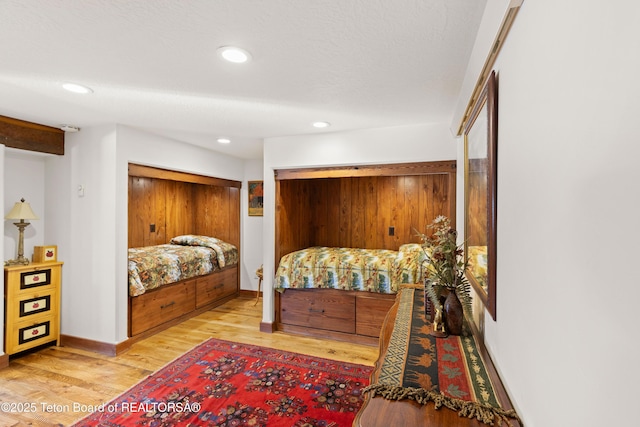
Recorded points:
(477, 215)
(357, 211)
(177, 203)
(217, 212)
(477, 231)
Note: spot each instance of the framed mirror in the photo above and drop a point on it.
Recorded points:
(480, 188)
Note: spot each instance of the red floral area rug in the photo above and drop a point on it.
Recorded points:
(221, 383)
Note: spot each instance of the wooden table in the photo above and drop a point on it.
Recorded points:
(380, 412)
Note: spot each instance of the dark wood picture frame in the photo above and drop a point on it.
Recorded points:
(480, 188)
(256, 192)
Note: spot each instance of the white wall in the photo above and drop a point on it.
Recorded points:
(84, 232)
(252, 229)
(402, 144)
(2, 227)
(495, 12)
(568, 204)
(24, 178)
(21, 176)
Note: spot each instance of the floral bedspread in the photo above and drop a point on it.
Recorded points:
(186, 256)
(370, 270)
(478, 264)
(226, 253)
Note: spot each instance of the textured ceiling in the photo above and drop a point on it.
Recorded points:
(152, 65)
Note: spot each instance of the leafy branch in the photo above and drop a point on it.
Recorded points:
(445, 264)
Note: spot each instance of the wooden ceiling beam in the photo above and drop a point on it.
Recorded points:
(24, 135)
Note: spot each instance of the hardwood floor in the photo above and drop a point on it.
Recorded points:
(49, 387)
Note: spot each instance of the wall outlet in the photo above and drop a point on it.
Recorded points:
(152, 228)
(392, 231)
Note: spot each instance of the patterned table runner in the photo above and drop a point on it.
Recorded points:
(447, 371)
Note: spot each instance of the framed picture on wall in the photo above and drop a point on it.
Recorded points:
(256, 191)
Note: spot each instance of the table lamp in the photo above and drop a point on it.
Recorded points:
(21, 210)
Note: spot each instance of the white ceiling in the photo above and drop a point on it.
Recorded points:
(152, 65)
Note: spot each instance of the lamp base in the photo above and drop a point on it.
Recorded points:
(21, 260)
(18, 261)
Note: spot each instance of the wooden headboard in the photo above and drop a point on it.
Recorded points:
(165, 203)
(374, 206)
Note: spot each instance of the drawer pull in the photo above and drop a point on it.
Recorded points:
(167, 305)
(311, 310)
(220, 286)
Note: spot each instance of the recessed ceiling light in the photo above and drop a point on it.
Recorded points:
(321, 125)
(76, 88)
(224, 140)
(234, 54)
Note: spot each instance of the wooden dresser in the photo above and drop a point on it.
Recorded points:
(32, 305)
(380, 412)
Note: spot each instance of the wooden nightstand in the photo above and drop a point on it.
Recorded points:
(32, 305)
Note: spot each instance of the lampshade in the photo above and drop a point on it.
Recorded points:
(21, 210)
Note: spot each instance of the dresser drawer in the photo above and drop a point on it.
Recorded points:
(156, 307)
(41, 279)
(328, 309)
(216, 286)
(31, 333)
(27, 305)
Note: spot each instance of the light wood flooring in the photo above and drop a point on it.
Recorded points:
(46, 383)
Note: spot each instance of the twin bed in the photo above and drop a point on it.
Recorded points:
(184, 257)
(343, 293)
(190, 274)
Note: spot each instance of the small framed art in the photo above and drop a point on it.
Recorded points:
(256, 191)
(47, 253)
